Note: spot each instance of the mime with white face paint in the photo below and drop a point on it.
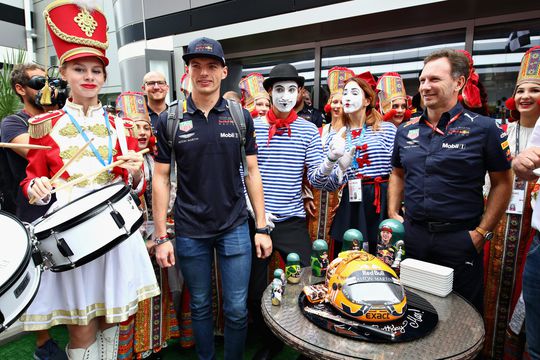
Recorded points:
(363, 202)
(287, 144)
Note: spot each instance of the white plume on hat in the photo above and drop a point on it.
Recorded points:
(87, 4)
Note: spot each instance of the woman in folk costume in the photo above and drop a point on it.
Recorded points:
(144, 334)
(370, 142)
(254, 97)
(393, 104)
(93, 298)
(321, 205)
(503, 308)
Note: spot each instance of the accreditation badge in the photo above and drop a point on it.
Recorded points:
(355, 190)
(517, 201)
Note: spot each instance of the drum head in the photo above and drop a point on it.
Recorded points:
(81, 207)
(17, 251)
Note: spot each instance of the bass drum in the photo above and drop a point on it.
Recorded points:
(20, 270)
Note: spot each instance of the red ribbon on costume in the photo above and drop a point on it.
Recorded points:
(362, 147)
(356, 133)
(377, 202)
(362, 161)
(276, 124)
(377, 183)
(471, 92)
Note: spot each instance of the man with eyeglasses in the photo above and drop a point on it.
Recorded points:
(156, 89)
(26, 81)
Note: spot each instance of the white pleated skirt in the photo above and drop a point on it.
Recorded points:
(110, 286)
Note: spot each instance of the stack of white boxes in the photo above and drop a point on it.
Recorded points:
(428, 277)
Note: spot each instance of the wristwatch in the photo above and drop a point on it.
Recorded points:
(488, 235)
(264, 230)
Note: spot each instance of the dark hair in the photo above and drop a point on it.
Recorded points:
(459, 63)
(19, 75)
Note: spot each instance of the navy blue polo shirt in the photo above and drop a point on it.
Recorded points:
(155, 117)
(444, 174)
(210, 196)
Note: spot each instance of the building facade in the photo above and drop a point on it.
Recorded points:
(316, 35)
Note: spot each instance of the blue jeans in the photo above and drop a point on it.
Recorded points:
(195, 257)
(531, 296)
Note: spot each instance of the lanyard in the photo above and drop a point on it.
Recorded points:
(517, 137)
(85, 137)
(354, 164)
(439, 131)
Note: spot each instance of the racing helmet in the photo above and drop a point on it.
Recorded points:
(364, 288)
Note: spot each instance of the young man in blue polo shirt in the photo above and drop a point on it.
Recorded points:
(210, 208)
(439, 164)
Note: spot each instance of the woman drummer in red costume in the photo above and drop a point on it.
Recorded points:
(93, 298)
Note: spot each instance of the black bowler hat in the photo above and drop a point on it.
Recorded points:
(204, 47)
(283, 72)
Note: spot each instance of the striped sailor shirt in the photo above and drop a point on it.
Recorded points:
(377, 145)
(282, 162)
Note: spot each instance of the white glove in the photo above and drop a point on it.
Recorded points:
(336, 149)
(270, 220)
(346, 160)
(269, 216)
(327, 166)
(250, 208)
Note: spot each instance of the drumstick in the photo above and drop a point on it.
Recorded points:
(96, 173)
(77, 155)
(24, 146)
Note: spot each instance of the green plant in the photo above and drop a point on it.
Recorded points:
(9, 101)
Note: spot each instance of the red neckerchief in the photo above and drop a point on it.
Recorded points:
(276, 124)
(439, 131)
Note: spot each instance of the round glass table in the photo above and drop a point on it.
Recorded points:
(459, 333)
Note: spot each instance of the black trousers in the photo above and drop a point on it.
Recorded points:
(452, 249)
(360, 215)
(288, 236)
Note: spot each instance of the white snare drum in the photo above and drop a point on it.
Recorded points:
(19, 273)
(88, 227)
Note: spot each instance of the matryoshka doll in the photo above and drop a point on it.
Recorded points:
(292, 269)
(319, 258)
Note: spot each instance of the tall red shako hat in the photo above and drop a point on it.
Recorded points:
(78, 29)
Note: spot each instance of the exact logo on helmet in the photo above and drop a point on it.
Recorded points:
(384, 315)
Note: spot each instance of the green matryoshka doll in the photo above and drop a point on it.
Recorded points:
(390, 244)
(352, 240)
(319, 258)
(292, 269)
